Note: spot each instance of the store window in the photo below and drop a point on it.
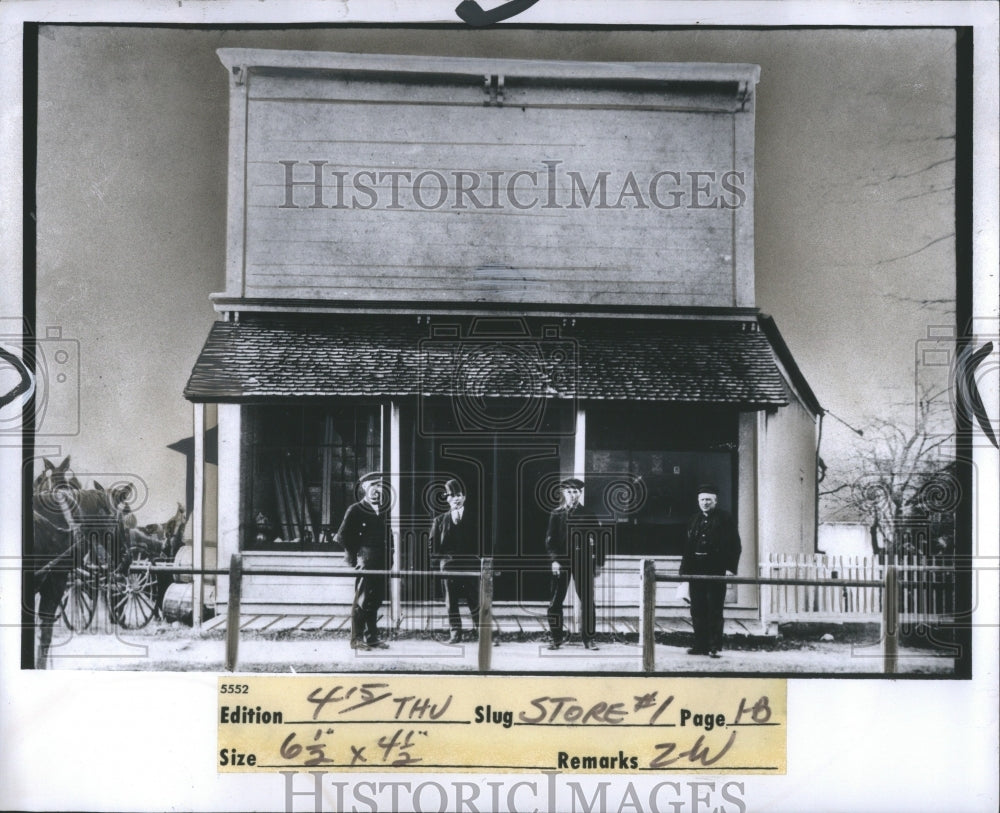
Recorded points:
(306, 461)
(644, 464)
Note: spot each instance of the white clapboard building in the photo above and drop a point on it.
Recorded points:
(504, 272)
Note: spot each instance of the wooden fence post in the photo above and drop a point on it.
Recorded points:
(647, 607)
(764, 597)
(890, 620)
(233, 611)
(486, 615)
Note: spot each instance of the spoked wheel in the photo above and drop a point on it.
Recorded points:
(79, 600)
(132, 595)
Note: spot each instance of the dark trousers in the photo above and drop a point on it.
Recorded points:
(369, 593)
(707, 602)
(583, 580)
(458, 590)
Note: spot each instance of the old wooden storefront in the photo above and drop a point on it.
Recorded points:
(503, 272)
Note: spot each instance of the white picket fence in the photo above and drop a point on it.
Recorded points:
(926, 589)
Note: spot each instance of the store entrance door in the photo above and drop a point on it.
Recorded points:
(511, 482)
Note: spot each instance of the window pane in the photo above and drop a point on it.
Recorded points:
(644, 464)
(306, 461)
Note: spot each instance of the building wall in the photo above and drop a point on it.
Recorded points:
(748, 512)
(786, 465)
(486, 199)
(844, 539)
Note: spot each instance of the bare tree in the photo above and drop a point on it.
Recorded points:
(898, 470)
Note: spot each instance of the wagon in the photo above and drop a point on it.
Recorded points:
(129, 587)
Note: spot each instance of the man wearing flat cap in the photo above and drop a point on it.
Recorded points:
(574, 547)
(366, 537)
(711, 548)
(454, 546)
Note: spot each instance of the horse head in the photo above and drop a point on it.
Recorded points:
(54, 523)
(41, 483)
(166, 536)
(103, 526)
(117, 500)
(59, 476)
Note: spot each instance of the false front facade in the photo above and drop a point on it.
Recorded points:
(500, 272)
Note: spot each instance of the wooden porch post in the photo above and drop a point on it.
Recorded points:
(198, 515)
(579, 467)
(395, 484)
(580, 443)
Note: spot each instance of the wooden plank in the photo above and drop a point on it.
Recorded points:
(822, 592)
(294, 498)
(326, 478)
(279, 500)
(302, 500)
(890, 620)
(233, 612)
(198, 515)
(647, 611)
(518, 91)
(486, 615)
(292, 504)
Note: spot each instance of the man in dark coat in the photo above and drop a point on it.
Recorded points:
(366, 537)
(574, 547)
(712, 548)
(454, 545)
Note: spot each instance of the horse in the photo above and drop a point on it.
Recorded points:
(53, 476)
(57, 544)
(160, 540)
(70, 524)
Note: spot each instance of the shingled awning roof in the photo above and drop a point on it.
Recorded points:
(289, 356)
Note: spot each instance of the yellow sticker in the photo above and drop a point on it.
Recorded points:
(502, 724)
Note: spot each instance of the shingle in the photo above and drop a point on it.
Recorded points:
(296, 356)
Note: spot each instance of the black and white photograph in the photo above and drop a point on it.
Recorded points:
(502, 341)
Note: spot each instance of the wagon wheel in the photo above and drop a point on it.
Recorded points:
(79, 600)
(132, 595)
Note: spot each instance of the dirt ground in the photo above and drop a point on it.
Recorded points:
(173, 646)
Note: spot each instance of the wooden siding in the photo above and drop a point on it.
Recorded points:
(513, 236)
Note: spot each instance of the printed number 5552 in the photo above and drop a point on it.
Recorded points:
(234, 688)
